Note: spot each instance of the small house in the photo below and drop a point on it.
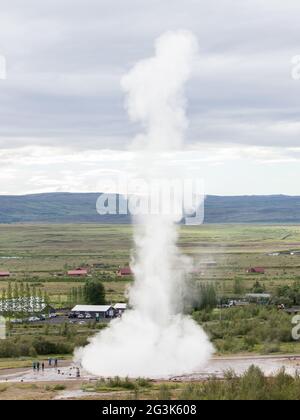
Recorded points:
(99, 265)
(295, 310)
(256, 270)
(209, 263)
(259, 298)
(78, 272)
(4, 274)
(238, 303)
(126, 271)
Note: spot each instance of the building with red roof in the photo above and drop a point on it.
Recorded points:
(125, 271)
(4, 274)
(256, 270)
(78, 272)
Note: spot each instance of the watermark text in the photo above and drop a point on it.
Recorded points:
(296, 67)
(3, 73)
(296, 329)
(175, 198)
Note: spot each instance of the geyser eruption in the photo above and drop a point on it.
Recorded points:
(154, 339)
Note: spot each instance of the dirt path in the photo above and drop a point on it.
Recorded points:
(79, 394)
(20, 370)
(270, 365)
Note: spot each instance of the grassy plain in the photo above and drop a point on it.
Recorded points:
(43, 253)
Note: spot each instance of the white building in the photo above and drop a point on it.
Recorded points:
(120, 308)
(96, 311)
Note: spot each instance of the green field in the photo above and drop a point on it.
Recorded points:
(45, 252)
(42, 254)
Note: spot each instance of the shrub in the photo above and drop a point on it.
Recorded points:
(241, 329)
(252, 385)
(59, 387)
(143, 383)
(164, 393)
(33, 346)
(121, 383)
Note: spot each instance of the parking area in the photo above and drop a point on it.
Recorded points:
(64, 319)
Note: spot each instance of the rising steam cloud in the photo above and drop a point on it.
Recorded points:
(154, 339)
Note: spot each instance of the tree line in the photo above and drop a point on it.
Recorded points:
(92, 293)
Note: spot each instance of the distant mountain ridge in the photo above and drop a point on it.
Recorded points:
(81, 208)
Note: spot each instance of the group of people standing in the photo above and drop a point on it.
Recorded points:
(53, 362)
(37, 366)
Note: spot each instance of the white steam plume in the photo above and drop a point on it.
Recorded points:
(154, 339)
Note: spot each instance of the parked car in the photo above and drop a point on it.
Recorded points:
(88, 316)
(17, 321)
(80, 316)
(33, 319)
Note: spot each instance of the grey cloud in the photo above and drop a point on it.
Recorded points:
(66, 57)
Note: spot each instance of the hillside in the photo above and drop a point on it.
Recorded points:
(252, 209)
(81, 207)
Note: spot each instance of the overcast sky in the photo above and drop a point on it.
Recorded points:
(63, 125)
